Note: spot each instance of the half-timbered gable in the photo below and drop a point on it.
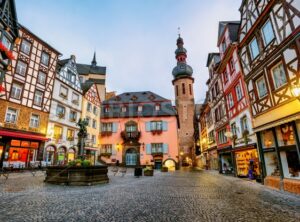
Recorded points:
(269, 52)
(34, 77)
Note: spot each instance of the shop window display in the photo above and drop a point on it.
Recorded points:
(267, 139)
(290, 164)
(271, 163)
(247, 164)
(285, 135)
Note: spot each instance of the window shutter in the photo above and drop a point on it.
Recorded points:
(148, 148)
(115, 127)
(148, 126)
(165, 126)
(166, 148)
(113, 150)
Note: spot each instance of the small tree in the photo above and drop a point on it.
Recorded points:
(82, 134)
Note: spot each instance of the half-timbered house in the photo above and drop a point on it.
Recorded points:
(91, 113)
(25, 106)
(65, 111)
(245, 157)
(269, 49)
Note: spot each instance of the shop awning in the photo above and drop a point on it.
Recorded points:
(22, 135)
(91, 148)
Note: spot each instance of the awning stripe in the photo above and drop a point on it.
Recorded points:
(22, 135)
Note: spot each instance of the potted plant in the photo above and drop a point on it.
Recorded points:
(164, 169)
(61, 115)
(148, 171)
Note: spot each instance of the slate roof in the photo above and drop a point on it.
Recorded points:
(84, 69)
(233, 27)
(131, 100)
(86, 86)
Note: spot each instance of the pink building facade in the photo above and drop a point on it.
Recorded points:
(139, 129)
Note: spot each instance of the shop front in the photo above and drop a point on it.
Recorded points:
(19, 150)
(247, 163)
(279, 146)
(226, 164)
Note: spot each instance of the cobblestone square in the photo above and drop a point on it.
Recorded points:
(173, 196)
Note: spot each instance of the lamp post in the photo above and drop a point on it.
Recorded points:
(295, 90)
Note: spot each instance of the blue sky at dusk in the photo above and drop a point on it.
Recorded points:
(134, 39)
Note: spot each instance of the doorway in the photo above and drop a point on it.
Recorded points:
(131, 157)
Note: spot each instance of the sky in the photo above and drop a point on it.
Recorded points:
(134, 39)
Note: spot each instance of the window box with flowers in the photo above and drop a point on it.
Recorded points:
(5, 52)
(70, 138)
(106, 133)
(63, 95)
(61, 115)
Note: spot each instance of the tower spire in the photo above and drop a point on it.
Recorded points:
(94, 62)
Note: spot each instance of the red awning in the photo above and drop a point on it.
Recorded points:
(91, 148)
(22, 135)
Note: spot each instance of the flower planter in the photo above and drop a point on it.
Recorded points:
(148, 172)
(77, 175)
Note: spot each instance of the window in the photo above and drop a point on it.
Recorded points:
(238, 92)
(190, 89)
(73, 116)
(278, 74)
(81, 79)
(221, 136)
(156, 125)
(6, 42)
(157, 107)
(63, 91)
(232, 66)
(177, 90)
(217, 116)
(183, 88)
(254, 49)
(16, 91)
(233, 128)
(107, 127)
(261, 87)
(211, 137)
(95, 110)
(11, 115)
(267, 31)
(106, 148)
(45, 58)
(93, 139)
(21, 68)
(60, 111)
(223, 46)
(225, 77)
(88, 120)
(140, 108)
(106, 109)
(34, 121)
(41, 78)
(244, 124)
(70, 135)
(94, 124)
(217, 88)
(38, 98)
(89, 107)
(123, 109)
(75, 98)
(25, 46)
(58, 132)
(230, 100)
(156, 147)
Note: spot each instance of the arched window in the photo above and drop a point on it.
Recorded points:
(183, 88)
(190, 88)
(176, 90)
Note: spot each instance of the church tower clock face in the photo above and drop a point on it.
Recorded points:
(183, 82)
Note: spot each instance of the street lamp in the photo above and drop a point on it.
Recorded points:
(295, 90)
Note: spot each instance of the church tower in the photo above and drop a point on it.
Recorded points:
(184, 97)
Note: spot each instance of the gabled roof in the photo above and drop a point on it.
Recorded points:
(233, 27)
(136, 97)
(211, 56)
(132, 100)
(86, 86)
(84, 69)
(39, 39)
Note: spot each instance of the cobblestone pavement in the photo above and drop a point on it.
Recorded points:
(173, 196)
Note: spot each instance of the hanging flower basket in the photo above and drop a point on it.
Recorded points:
(5, 52)
(2, 89)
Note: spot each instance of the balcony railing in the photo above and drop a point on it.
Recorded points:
(106, 133)
(129, 136)
(156, 152)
